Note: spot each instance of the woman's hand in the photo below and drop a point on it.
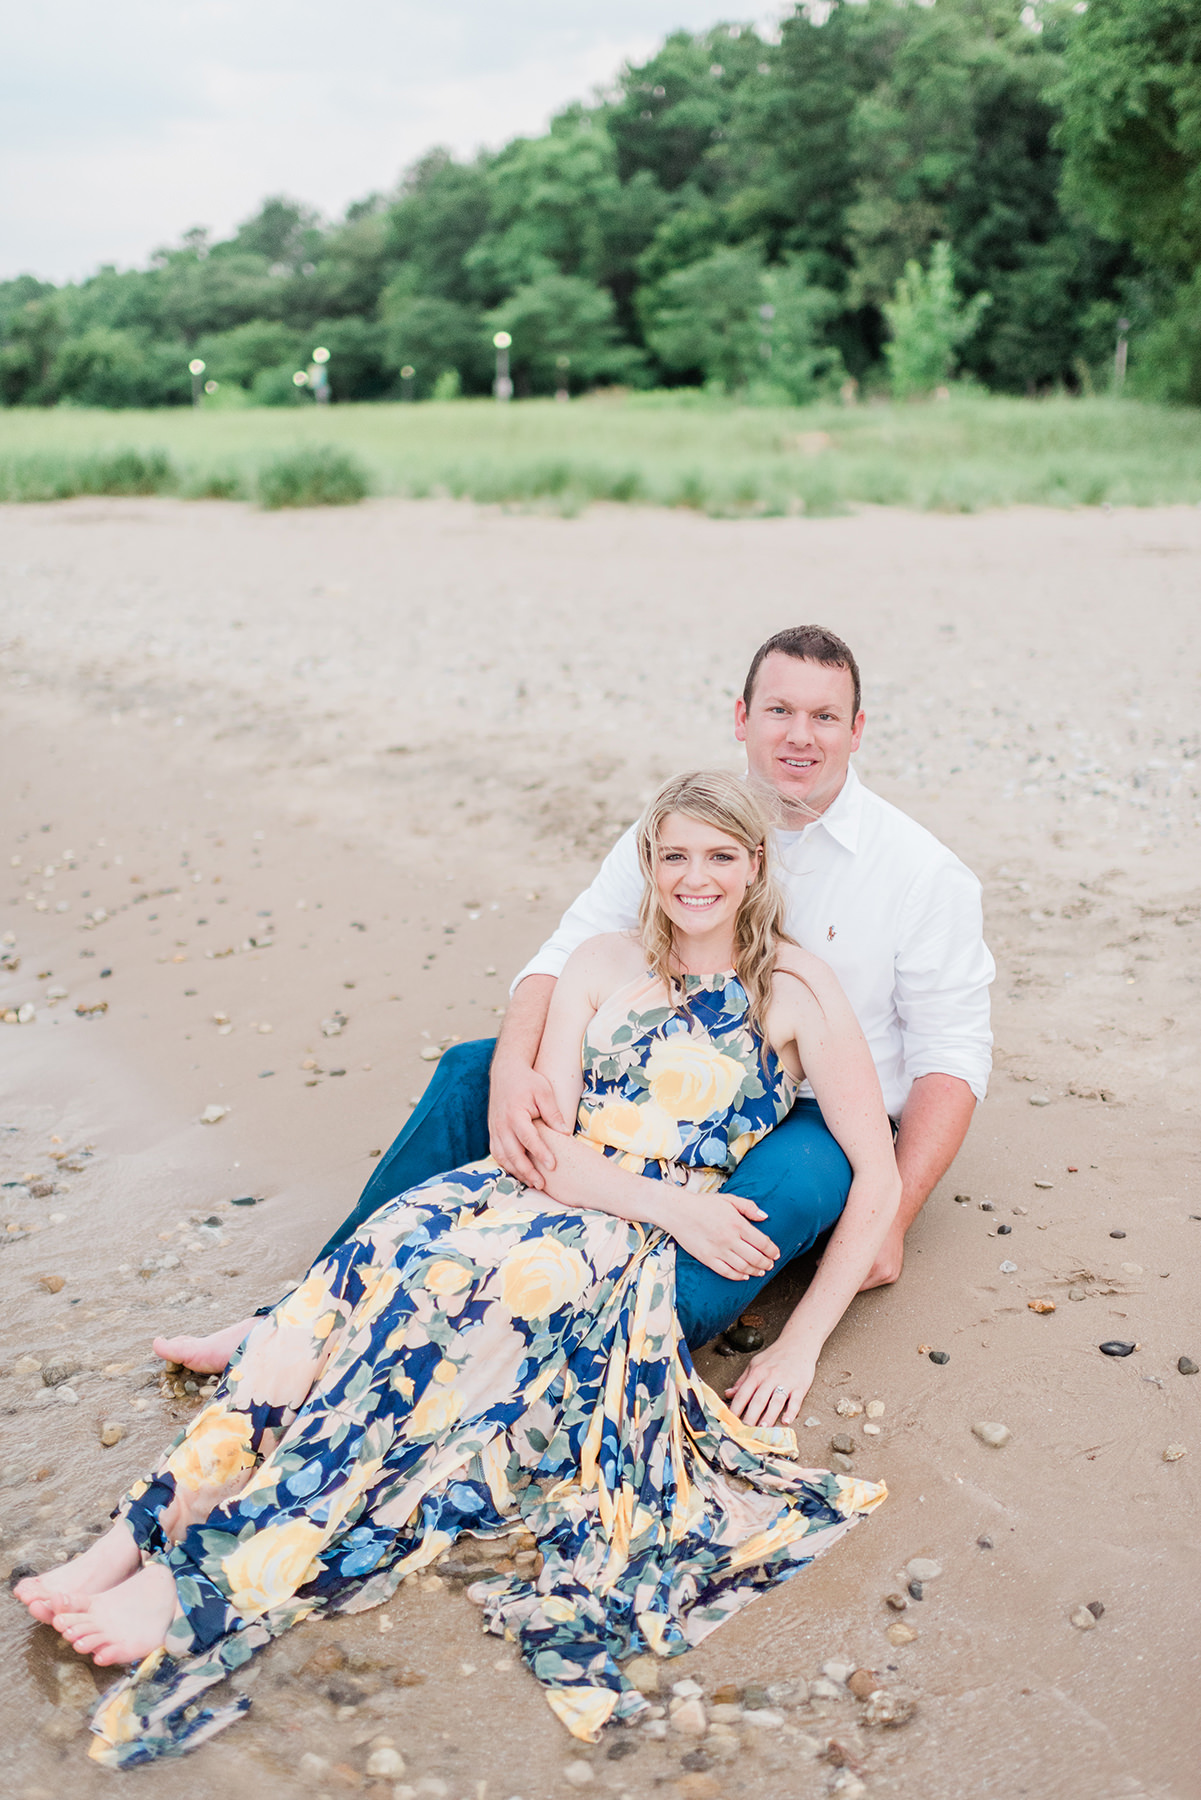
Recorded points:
(717, 1230)
(773, 1385)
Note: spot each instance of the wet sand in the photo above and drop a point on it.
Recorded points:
(268, 771)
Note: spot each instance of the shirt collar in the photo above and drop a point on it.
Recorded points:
(842, 817)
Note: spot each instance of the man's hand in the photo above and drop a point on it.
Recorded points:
(717, 1230)
(890, 1259)
(518, 1096)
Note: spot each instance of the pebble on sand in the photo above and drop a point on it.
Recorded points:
(1187, 1366)
(991, 1433)
(1040, 1306)
(387, 1761)
(1174, 1452)
(1083, 1619)
(212, 1115)
(111, 1432)
(862, 1684)
(53, 1284)
(1044, 1184)
(688, 1718)
(900, 1633)
(923, 1568)
(1040, 1100)
(643, 1671)
(1117, 1347)
(890, 1706)
(940, 1356)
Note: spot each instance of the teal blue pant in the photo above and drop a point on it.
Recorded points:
(798, 1175)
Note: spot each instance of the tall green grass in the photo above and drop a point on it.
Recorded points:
(668, 449)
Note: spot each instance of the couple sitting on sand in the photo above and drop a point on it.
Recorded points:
(693, 1085)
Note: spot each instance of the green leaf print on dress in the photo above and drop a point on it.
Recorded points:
(477, 1357)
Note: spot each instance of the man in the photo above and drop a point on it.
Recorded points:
(893, 912)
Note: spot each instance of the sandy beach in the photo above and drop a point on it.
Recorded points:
(288, 798)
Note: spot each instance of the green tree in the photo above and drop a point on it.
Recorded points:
(705, 319)
(440, 213)
(928, 322)
(432, 335)
(802, 364)
(34, 334)
(564, 316)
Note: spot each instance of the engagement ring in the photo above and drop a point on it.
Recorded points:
(779, 1390)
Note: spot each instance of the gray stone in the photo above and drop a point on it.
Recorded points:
(991, 1433)
(923, 1568)
(823, 1689)
(890, 1706)
(842, 1465)
(55, 1373)
(843, 1444)
(1187, 1366)
(1082, 1619)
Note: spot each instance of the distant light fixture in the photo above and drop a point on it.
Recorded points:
(321, 354)
(210, 387)
(300, 379)
(196, 367)
(408, 372)
(502, 340)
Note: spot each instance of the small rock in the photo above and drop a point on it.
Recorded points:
(212, 1115)
(1045, 1185)
(822, 1689)
(987, 1206)
(67, 1395)
(687, 1689)
(940, 1356)
(1040, 1099)
(1004, 1230)
(723, 1749)
(1096, 1607)
(1174, 1452)
(916, 1591)
(1040, 1306)
(1117, 1234)
(1008, 1268)
(841, 1464)
(744, 1338)
(53, 1284)
(54, 1374)
(754, 1695)
(429, 1052)
(111, 1432)
(840, 1672)
(388, 1762)
(766, 1717)
(984, 1543)
(788, 1693)
(923, 1568)
(875, 1409)
(655, 1728)
(726, 1695)
(991, 1433)
(862, 1684)
(848, 1409)
(29, 1365)
(900, 1633)
(1082, 1619)
(840, 1442)
(623, 1746)
(870, 1430)
(311, 1767)
(1187, 1366)
(898, 1602)
(688, 1718)
(848, 1786)
(725, 1715)
(578, 1773)
(1077, 1293)
(963, 1199)
(890, 1706)
(643, 1673)
(695, 1786)
(1117, 1347)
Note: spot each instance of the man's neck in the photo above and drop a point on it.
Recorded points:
(797, 817)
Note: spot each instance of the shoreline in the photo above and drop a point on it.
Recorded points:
(130, 610)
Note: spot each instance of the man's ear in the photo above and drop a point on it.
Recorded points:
(857, 729)
(740, 719)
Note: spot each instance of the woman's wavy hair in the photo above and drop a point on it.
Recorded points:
(714, 797)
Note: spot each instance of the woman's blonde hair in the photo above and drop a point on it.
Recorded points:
(716, 798)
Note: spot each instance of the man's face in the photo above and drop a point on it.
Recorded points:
(800, 731)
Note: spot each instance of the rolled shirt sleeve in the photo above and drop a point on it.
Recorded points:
(610, 904)
(943, 973)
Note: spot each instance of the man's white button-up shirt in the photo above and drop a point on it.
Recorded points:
(874, 894)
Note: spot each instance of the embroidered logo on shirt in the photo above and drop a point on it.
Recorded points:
(830, 934)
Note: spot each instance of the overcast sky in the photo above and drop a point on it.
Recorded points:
(124, 123)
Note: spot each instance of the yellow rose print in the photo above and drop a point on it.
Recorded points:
(647, 1130)
(691, 1079)
(539, 1277)
(446, 1277)
(304, 1307)
(267, 1568)
(215, 1450)
(437, 1409)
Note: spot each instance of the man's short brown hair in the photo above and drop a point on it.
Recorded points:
(808, 643)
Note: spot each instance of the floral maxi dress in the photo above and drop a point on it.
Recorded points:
(475, 1357)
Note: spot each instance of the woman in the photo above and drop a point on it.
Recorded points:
(479, 1353)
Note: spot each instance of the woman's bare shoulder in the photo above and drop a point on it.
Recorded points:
(811, 972)
(611, 955)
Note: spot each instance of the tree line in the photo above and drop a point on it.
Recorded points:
(893, 191)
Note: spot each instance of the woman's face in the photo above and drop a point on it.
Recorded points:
(701, 875)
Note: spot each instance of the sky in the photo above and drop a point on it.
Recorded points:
(124, 124)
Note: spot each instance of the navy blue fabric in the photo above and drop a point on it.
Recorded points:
(797, 1174)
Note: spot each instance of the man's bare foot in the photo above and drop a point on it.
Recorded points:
(206, 1355)
(111, 1560)
(126, 1623)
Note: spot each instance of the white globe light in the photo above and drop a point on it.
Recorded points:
(502, 340)
(196, 367)
(321, 354)
(300, 379)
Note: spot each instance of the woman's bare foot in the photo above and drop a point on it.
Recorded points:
(126, 1623)
(111, 1560)
(206, 1355)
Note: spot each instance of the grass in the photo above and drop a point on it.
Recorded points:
(678, 449)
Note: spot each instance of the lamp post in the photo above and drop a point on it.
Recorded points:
(502, 387)
(319, 376)
(562, 364)
(196, 370)
(767, 313)
(1119, 356)
(300, 379)
(406, 381)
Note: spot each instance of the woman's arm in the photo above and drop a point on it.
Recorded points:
(816, 1015)
(717, 1229)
